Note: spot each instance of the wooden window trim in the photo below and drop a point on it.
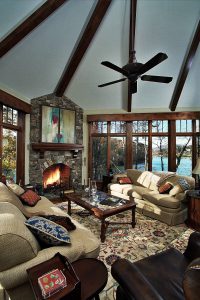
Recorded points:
(20, 147)
(171, 134)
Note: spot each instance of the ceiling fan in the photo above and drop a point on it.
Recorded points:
(134, 70)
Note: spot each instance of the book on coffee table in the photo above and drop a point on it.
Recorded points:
(52, 282)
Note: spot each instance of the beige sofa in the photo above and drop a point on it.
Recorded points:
(170, 208)
(20, 250)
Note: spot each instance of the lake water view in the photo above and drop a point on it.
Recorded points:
(185, 167)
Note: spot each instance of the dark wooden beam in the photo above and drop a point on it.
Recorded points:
(29, 24)
(14, 102)
(144, 116)
(133, 9)
(82, 46)
(187, 63)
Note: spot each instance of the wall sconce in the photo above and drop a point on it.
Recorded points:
(196, 171)
(75, 153)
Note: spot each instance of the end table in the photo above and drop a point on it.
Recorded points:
(91, 273)
(193, 220)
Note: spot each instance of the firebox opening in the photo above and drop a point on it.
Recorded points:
(56, 177)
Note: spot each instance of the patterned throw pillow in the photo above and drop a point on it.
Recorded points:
(164, 177)
(48, 232)
(124, 180)
(30, 198)
(165, 188)
(61, 220)
(183, 184)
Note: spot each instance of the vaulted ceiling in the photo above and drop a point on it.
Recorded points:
(58, 46)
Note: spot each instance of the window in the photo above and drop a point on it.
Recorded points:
(12, 125)
(99, 157)
(10, 116)
(184, 126)
(140, 153)
(118, 127)
(160, 126)
(184, 155)
(118, 157)
(9, 153)
(162, 142)
(140, 126)
(160, 153)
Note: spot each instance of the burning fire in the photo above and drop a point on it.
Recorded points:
(53, 178)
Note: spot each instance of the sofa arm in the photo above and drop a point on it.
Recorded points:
(132, 281)
(193, 248)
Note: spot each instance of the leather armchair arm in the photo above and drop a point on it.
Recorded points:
(133, 282)
(193, 248)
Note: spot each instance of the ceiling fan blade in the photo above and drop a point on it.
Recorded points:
(111, 82)
(162, 79)
(133, 87)
(114, 67)
(158, 58)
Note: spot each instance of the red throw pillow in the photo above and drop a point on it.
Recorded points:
(165, 188)
(30, 198)
(124, 180)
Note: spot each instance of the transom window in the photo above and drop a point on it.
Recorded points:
(10, 115)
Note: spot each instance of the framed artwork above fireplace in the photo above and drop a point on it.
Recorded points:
(58, 125)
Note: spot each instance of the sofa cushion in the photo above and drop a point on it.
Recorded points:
(139, 191)
(149, 180)
(134, 174)
(15, 188)
(7, 195)
(120, 187)
(30, 198)
(48, 232)
(17, 243)
(162, 200)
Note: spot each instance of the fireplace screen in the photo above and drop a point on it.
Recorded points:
(56, 178)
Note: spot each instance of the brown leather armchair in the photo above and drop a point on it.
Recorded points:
(168, 275)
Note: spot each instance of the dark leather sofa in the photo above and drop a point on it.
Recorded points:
(168, 275)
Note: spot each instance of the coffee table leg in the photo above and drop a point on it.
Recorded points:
(133, 217)
(69, 207)
(104, 225)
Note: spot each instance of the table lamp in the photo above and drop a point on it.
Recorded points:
(196, 171)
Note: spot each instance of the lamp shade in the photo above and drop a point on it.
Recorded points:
(197, 167)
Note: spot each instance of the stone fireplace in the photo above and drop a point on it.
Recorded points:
(56, 176)
(53, 166)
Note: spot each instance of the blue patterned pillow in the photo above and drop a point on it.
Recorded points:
(183, 184)
(48, 232)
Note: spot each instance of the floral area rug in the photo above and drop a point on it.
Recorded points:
(148, 237)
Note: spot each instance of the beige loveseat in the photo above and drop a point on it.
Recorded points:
(170, 208)
(20, 250)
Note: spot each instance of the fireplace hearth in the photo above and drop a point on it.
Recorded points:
(56, 179)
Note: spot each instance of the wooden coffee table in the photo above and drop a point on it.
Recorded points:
(102, 212)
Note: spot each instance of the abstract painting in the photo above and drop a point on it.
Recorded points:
(58, 125)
